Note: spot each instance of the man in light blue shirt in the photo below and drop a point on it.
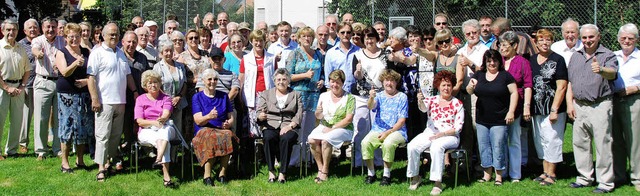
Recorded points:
(486, 37)
(284, 45)
(341, 56)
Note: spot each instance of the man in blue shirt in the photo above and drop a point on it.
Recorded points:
(341, 56)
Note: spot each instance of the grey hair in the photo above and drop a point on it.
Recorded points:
(398, 33)
(510, 37)
(232, 24)
(209, 72)
(171, 21)
(150, 75)
(589, 26)
(106, 27)
(33, 21)
(629, 28)
(129, 33)
(331, 16)
(140, 29)
(271, 28)
(471, 23)
(209, 14)
(10, 21)
(49, 20)
(282, 71)
(165, 44)
(176, 33)
(63, 22)
(567, 21)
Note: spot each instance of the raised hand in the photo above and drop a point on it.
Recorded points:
(595, 66)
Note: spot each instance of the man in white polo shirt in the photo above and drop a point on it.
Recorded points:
(571, 42)
(109, 77)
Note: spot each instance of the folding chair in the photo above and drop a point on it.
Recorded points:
(260, 141)
(457, 154)
(178, 143)
(344, 144)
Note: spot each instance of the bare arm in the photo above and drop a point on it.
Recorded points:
(232, 93)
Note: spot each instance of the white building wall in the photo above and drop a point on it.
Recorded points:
(306, 11)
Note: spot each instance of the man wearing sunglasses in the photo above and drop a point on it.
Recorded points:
(332, 22)
(441, 21)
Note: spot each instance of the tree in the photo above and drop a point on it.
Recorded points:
(37, 9)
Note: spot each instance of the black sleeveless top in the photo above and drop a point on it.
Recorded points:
(66, 84)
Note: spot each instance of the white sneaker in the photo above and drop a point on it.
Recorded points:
(436, 191)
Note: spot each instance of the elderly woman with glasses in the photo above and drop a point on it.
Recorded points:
(178, 41)
(213, 137)
(520, 69)
(280, 114)
(173, 78)
(152, 112)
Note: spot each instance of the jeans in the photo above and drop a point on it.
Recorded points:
(491, 143)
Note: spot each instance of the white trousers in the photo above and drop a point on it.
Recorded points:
(152, 136)
(437, 149)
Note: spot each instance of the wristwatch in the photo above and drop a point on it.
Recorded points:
(553, 110)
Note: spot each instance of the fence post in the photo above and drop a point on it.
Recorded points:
(186, 17)
(141, 9)
(373, 11)
(595, 12)
(506, 8)
(433, 10)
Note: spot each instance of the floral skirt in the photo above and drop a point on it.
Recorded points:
(76, 120)
(210, 143)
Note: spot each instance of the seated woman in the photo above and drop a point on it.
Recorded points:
(335, 112)
(151, 112)
(446, 116)
(213, 118)
(280, 113)
(388, 129)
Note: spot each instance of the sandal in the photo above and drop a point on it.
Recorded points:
(541, 177)
(169, 184)
(498, 183)
(66, 170)
(482, 180)
(319, 180)
(81, 166)
(104, 175)
(547, 183)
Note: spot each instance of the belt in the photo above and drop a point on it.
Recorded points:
(48, 78)
(587, 102)
(13, 81)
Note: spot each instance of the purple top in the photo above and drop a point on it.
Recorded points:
(201, 103)
(151, 109)
(521, 72)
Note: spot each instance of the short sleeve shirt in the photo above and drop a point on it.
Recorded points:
(201, 103)
(110, 68)
(493, 98)
(545, 76)
(389, 110)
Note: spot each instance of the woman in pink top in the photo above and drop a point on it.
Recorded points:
(520, 69)
(152, 112)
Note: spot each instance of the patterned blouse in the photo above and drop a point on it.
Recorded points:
(444, 118)
(335, 112)
(298, 63)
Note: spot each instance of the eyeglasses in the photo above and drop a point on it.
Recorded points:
(358, 34)
(331, 24)
(193, 38)
(212, 79)
(345, 32)
(589, 37)
(444, 41)
(627, 38)
(440, 23)
(178, 40)
(322, 34)
(427, 38)
(471, 33)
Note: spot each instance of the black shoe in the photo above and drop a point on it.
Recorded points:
(222, 179)
(370, 179)
(169, 184)
(271, 180)
(282, 181)
(386, 181)
(601, 191)
(208, 181)
(577, 185)
(66, 170)
(156, 165)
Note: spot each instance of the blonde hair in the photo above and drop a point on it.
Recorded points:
(148, 76)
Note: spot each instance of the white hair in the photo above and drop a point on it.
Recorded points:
(567, 21)
(590, 26)
(10, 21)
(142, 29)
(398, 33)
(165, 44)
(209, 72)
(471, 23)
(171, 21)
(629, 28)
(31, 20)
(177, 34)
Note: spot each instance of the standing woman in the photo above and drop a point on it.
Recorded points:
(495, 110)
(213, 119)
(447, 58)
(86, 35)
(196, 61)
(205, 39)
(234, 53)
(280, 113)
(96, 38)
(75, 115)
(335, 112)
(426, 70)
(368, 63)
(305, 66)
(520, 69)
(256, 70)
(178, 45)
(173, 81)
(550, 110)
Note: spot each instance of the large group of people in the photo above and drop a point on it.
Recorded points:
(314, 90)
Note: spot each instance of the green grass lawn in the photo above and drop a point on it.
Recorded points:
(26, 176)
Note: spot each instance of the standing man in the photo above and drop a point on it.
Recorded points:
(220, 35)
(486, 37)
(45, 101)
(470, 57)
(109, 77)
(208, 21)
(60, 26)
(332, 22)
(169, 27)
(14, 74)
(441, 21)
(137, 64)
(570, 44)
(322, 35)
(143, 46)
(284, 45)
(153, 33)
(138, 21)
(262, 25)
(31, 30)
(348, 18)
(589, 103)
(381, 28)
(526, 47)
(341, 57)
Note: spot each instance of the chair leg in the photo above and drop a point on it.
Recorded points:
(255, 159)
(466, 161)
(352, 159)
(131, 157)
(137, 149)
(182, 162)
(300, 160)
(193, 176)
(456, 175)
